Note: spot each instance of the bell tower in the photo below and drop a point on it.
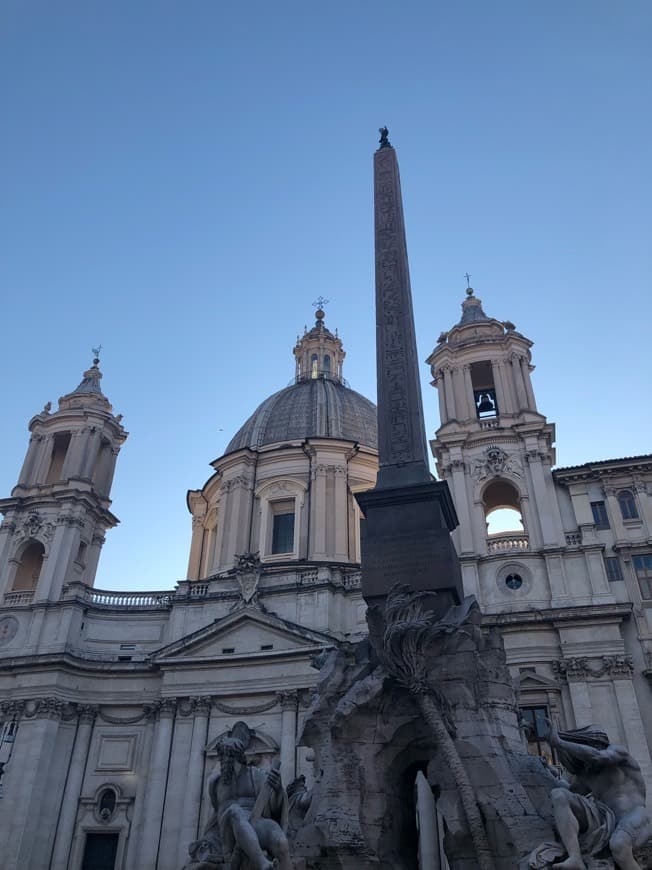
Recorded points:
(493, 446)
(57, 515)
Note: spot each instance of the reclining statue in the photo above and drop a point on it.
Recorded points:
(602, 806)
(250, 813)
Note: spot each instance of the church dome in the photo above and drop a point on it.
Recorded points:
(318, 405)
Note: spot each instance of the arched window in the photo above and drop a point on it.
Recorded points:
(502, 508)
(29, 567)
(107, 803)
(327, 365)
(314, 366)
(627, 504)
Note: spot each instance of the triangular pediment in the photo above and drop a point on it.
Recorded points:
(535, 681)
(248, 632)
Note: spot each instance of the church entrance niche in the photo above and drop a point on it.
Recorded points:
(100, 851)
(29, 567)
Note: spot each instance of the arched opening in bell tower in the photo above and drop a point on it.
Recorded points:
(484, 390)
(502, 509)
(29, 567)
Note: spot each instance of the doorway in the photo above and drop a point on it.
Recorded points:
(100, 851)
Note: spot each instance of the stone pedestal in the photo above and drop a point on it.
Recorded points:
(406, 538)
(370, 740)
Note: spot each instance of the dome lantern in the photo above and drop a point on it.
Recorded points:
(319, 353)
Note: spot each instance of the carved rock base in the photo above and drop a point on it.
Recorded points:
(370, 739)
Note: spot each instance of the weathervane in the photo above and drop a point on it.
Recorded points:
(96, 354)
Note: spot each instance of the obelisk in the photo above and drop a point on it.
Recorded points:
(408, 515)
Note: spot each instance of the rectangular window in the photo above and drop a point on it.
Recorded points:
(536, 731)
(600, 517)
(283, 533)
(612, 565)
(100, 851)
(643, 567)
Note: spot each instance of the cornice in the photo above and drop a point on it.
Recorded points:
(588, 612)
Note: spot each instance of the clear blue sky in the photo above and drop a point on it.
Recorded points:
(180, 180)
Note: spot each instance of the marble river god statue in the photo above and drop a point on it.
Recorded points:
(247, 828)
(602, 806)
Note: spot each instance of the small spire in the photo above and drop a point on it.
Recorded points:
(384, 138)
(471, 307)
(320, 313)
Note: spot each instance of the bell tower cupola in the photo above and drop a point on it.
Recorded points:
(58, 513)
(481, 369)
(319, 353)
(493, 446)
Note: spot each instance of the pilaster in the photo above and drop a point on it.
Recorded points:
(155, 788)
(69, 804)
(288, 736)
(195, 781)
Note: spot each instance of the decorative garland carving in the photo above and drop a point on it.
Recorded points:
(129, 720)
(579, 668)
(245, 711)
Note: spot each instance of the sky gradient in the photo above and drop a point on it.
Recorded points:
(180, 180)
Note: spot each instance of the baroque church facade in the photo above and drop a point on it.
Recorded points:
(111, 704)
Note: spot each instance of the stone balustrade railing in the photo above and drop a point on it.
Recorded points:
(492, 423)
(106, 598)
(15, 598)
(505, 543)
(573, 539)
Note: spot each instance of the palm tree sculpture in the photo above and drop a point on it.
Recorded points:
(409, 630)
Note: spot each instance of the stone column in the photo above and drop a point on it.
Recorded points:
(194, 561)
(450, 393)
(645, 505)
(460, 394)
(64, 543)
(579, 694)
(462, 505)
(517, 380)
(24, 784)
(503, 396)
(155, 787)
(318, 512)
(288, 736)
(91, 449)
(341, 515)
(438, 383)
(97, 542)
(630, 715)
(131, 861)
(72, 464)
(42, 459)
(26, 476)
(7, 529)
(550, 537)
(106, 472)
(614, 512)
(468, 392)
(529, 392)
(195, 782)
(69, 804)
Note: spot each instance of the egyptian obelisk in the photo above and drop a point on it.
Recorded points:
(408, 515)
